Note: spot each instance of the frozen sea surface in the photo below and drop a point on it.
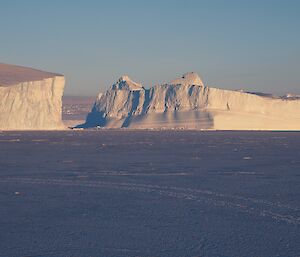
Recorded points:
(149, 193)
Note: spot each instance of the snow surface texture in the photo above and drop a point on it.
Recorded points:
(30, 99)
(113, 193)
(186, 103)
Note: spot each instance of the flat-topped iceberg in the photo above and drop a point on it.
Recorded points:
(30, 99)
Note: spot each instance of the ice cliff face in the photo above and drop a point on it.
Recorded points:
(186, 103)
(30, 99)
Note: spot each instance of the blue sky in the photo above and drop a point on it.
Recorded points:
(234, 44)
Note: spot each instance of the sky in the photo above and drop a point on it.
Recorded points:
(233, 44)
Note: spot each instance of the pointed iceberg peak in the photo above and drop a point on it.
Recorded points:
(190, 78)
(124, 78)
(125, 83)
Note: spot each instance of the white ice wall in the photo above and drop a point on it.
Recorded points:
(30, 105)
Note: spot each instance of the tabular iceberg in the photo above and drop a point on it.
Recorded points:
(186, 103)
(30, 99)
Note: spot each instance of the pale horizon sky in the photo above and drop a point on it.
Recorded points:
(234, 44)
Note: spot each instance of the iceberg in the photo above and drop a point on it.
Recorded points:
(30, 99)
(186, 103)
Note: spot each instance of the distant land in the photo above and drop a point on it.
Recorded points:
(75, 109)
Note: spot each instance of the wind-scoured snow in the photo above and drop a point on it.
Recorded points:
(186, 103)
(124, 193)
(30, 99)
